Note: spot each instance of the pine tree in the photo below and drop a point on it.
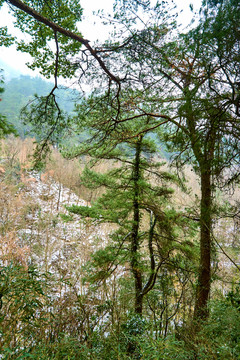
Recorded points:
(136, 199)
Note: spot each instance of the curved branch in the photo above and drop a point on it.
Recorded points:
(56, 63)
(56, 28)
(225, 253)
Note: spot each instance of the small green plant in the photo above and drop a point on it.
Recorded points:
(66, 218)
(23, 307)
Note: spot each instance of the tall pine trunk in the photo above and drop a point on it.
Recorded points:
(204, 154)
(135, 266)
(204, 276)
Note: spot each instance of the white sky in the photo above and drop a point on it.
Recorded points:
(89, 30)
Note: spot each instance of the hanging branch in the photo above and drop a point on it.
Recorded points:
(224, 252)
(56, 28)
(56, 64)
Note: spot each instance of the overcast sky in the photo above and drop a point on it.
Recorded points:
(89, 30)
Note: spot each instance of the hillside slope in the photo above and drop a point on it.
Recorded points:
(20, 90)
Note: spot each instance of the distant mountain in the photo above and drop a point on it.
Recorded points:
(8, 71)
(20, 90)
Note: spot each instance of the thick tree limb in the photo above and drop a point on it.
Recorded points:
(56, 28)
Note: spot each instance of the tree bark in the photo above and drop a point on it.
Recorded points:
(135, 266)
(204, 276)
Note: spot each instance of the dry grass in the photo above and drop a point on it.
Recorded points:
(15, 159)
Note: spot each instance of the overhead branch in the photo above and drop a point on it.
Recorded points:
(56, 28)
(56, 64)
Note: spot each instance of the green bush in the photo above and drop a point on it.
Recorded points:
(28, 328)
(23, 308)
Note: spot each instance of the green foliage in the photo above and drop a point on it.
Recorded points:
(220, 336)
(234, 297)
(135, 196)
(20, 92)
(135, 340)
(84, 211)
(66, 218)
(165, 349)
(5, 38)
(49, 123)
(6, 128)
(64, 13)
(135, 325)
(23, 310)
(65, 348)
(218, 339)
(182, 89)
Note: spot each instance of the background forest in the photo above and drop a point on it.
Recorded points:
(119, 215)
